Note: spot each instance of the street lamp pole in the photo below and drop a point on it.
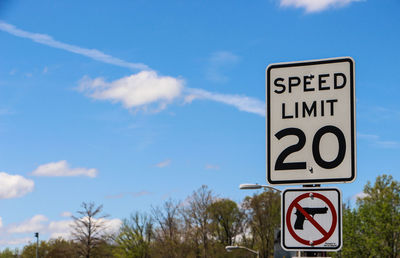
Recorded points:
(257, 186)
(37, 244)
(230, 248)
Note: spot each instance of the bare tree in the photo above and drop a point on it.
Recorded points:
(168, 231)
(198, 218)
(89, 227)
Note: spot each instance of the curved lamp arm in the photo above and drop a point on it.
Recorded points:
(230, 248)
(257, 186)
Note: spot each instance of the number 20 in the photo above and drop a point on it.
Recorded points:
(281, 165)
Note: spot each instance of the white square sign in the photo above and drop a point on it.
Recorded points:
(310, 125)
(311, 219)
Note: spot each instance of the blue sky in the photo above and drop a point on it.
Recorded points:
(128, 104)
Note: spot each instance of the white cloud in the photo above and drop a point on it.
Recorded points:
(60, 228)
(16, 234)
(61, 168)
(66, 214)
(360, 195)
(315, 5)
(163, 164)
(15, 241)
(147, 87)
(136, 90)
(12, 186)
(63, 228)
(243, 103)
(220, 62)
(34, 224)
(49, 41)
(112, 225)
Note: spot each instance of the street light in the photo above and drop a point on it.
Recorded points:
(231, 248)
(257, 186)
(37, 244)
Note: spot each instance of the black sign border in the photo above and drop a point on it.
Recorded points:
(339, 211)
(352, 114)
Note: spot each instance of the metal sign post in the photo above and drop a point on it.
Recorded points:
(311, 139)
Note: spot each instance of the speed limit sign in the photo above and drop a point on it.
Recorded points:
(311, 122)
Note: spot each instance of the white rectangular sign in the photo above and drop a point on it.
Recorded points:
(311, 219)
(310, 123)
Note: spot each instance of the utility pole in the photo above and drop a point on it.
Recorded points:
(37, 244)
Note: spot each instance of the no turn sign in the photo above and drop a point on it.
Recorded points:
(311, 219)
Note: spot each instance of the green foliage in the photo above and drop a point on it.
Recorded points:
(353, 243)
(29, 251)
(263, 212)
(133, 239)
(60, 248)
(103, 249)
(379, 212)
(226, 220)
(7, 253)
(372, 229)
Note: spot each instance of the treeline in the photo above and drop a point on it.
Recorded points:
(200, 226)
(203, 224)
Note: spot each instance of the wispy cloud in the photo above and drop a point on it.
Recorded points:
(168, 194)
(6, 111)
(66, 214)
(243, 103)
(147, 86)
(132, 194)
(13, 186)
(163, 164)
(141, 193)
(211, 167)
(376, 140)
(49, 41)
(312, 6)
(380, 113)
(137, 90)
(218, 63)
(61, 168)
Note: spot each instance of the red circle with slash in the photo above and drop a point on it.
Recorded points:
(326, 235)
